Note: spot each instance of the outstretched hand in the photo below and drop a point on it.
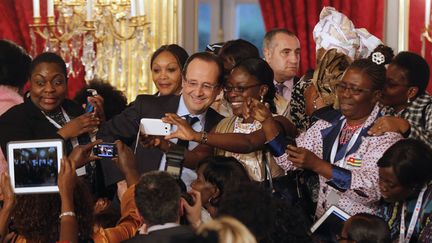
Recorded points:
(81, 154)
(184, 130)
(67, 178)
(126, 163)
(389, 124)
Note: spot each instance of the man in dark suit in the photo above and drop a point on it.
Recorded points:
(281, 49)
(202, 80)
(159, 209)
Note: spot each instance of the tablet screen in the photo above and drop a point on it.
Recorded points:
(34, 165)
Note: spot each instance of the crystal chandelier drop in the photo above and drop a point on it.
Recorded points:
(102, 35)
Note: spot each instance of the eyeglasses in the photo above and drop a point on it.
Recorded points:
(341, 87)
(205, 86)
(239, 89)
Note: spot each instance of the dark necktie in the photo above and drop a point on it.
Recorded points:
(190, 121)
(279, 88)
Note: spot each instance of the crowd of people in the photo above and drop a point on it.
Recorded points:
(255, 153)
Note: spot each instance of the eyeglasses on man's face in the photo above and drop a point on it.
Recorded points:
(342, 87)
(207, 87)
(238, 89)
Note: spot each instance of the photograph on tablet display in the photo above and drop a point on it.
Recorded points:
(35, 167)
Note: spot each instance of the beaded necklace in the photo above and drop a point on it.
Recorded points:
(347, 133)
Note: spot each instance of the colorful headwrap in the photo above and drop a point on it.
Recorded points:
(343, 44)
(335, 30)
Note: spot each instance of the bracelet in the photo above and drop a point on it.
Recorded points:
(204, 137)
(68, 213)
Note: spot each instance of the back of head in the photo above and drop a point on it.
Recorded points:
(376, 73)
(227, 229)
(177, 51)
(223, 172)
(411, 162)
(14, 64)
(206, 57)
(36, 216)
(250, 203)
(416, 68)
(263, 73)
(238, 50)
(368, 228)
(114, 100)
(157, 196)
(49, 57)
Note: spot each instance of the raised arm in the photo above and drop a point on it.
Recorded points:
(8, 203)
(67, 180)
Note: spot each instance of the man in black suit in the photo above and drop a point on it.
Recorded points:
(157, 196)
(202, 80)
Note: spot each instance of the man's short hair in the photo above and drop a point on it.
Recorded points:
(207, 57)
(157, 196)
(270, 34)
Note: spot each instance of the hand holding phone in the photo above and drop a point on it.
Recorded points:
(105, 150)
(89, 106)
(155, 127)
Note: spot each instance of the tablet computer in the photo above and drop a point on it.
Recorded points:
(330, 224)
(34, 165)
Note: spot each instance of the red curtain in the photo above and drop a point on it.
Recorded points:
(15, 17)
(301, 16)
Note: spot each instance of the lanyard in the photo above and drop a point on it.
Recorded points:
(349, 146)
(406, 238)
(73, 140)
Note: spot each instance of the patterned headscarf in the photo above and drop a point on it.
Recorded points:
(336, 34)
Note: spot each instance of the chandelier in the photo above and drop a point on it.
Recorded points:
(103, 36)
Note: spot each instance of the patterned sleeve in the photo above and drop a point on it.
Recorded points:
(423, 133)
(297, 104)
(310, 139)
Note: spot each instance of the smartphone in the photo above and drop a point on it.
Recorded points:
(89, 106)
(155, 127)
(105, 150)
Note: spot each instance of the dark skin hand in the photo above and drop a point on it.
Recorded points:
(67, 181)
(81, 154)
(305, 159)
(126, 163)
(8, 204)
(389, 124)
(86, 123)
(97, 102)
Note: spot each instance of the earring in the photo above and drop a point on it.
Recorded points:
(262, 98)
(409, 101)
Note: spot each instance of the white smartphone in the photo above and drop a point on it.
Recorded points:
(155, 127)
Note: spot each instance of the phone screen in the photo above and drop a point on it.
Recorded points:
(89, 108)
(106, 150)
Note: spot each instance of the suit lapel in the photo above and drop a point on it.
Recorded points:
(212, 119)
